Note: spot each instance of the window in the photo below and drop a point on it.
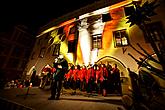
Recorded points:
(120, 38)
(17, 51)
(13, 63)
(42, 52)
(72, 45)
(72, 30)
(60, 30)
(56, 50)
(23, 64)
(72, 39)
(106, 17)
(32, 55)
(39, 41)
(129, 10)
(16, 35)
(97, 41)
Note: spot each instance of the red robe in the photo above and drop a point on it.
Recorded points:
(53, 70)
(98, 74)
(75, 74)
(69, 74)
(90, 74)
(82, 74)
(105, 72)
(101, 77)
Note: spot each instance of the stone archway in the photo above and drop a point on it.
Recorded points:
(114, 60)
(111, 58)
(124, 75)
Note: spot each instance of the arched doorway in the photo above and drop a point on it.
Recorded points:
(112, 60)
(124, 77)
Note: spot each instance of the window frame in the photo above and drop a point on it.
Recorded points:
(120, 37)
(55, 51)
(42, 52)
(72, 44)
(32, 55)
(95, 43)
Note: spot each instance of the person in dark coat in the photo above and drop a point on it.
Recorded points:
(33, 77)
(116, 79)
(61, 66)
(109, 79)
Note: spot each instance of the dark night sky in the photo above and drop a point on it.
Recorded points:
(35, 14)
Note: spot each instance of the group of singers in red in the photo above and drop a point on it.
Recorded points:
(101, 78)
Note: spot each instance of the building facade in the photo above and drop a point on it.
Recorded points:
(15, 46)
(95, 34)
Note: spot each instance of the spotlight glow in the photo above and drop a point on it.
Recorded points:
(70, 57)
(85, 44)
(94, 55)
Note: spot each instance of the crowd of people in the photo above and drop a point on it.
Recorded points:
(100, 78)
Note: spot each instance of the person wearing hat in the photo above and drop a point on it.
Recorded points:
(61, 66)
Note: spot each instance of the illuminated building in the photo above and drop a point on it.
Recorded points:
(95, 33)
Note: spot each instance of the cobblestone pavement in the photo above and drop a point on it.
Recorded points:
(37, 99)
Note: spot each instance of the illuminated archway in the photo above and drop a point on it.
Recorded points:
(112, 60)
(110, 57)
(124, 74)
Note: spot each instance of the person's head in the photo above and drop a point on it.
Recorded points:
(115, 65)
(90, 66)
(60, 56)
(98, 68)
(106, 63)
(83, 66)
(55, 60)
(95, 67)
(102, 65)
(34, 69)
(75, 67)
(47, 66)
